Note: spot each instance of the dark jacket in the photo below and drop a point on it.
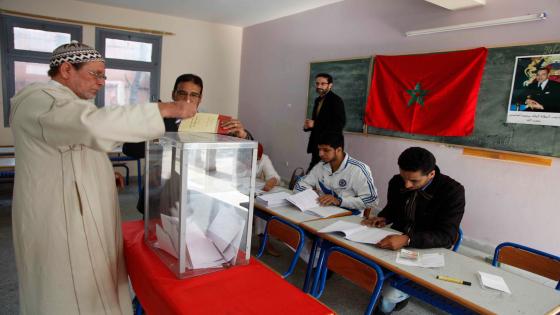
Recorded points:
(549, 98)
(436, 220)
(137, 150)
(332, 117)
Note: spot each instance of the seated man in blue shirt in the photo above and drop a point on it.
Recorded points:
(339, 179)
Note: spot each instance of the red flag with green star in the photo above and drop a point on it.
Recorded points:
(433, 94)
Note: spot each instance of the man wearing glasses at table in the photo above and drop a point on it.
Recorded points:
(188, 88)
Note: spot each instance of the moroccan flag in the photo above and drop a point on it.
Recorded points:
(432, 94)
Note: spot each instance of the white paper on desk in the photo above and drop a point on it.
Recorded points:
(304, 200)
(259, 185)
(434, 260)
(357, 232)
(259, 190)
(325, 211)
(495, 282)
(201, 250)
(307, 202)
(273, 199)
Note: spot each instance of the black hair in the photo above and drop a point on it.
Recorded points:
(332, 139)
(417, 159)
(543, 69)
(189, 77)
(326, 76)
(53, 71)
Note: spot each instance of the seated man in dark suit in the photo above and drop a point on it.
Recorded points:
(423, 204)
(543, 94)
(188, 87)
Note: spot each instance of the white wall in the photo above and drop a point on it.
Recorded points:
(212, 51)
(505, 201)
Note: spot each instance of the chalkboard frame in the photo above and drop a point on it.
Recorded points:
(311, 95)
(509, 137)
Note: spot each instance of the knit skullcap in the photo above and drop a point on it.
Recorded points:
(74, 52)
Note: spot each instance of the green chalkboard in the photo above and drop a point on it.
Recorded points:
(351, 81)
(491, 130)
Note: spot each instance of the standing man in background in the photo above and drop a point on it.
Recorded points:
(65, 212)
(328, 115)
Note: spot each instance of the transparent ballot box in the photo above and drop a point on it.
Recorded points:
(197, 189)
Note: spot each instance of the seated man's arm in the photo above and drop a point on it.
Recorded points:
(270, 175)
(446, 225)
(364, 187)
(311, 180)
(235, 128)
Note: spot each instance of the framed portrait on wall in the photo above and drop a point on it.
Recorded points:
(535, 91)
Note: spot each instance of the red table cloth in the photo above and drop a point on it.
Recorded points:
(250, 289)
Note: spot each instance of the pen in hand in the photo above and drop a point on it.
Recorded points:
(454, 280)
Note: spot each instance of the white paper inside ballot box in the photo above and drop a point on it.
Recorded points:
(201, 251)
(226, 231)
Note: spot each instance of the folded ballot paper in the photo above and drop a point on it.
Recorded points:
(491, 281)
(205, 122)
(273, 199)
(307, 202)
(206, 247)
(411, 258)
(358, 233)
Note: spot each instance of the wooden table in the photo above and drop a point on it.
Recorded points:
(250, 289)
(528, 296)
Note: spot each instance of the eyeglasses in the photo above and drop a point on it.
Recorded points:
(97, 75)
(186, 94)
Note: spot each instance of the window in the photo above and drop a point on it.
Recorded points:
(27, 46)
(132, 63)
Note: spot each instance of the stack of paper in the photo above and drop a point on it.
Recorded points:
(273, 199)
(434, 260)
(358, 233)
(495, 282)
(307, 202)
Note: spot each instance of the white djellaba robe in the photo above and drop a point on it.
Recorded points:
(65, 213)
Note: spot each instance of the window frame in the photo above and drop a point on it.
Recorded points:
(154, 67)
(10, 55)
